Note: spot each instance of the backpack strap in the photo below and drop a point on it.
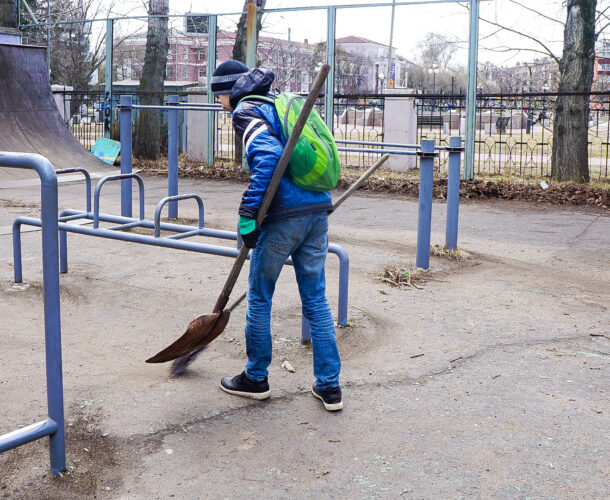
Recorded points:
(257, 98)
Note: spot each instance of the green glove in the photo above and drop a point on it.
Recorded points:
(248, 231)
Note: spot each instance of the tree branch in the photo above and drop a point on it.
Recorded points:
(516, 32)
(601, 14)
(536, 12)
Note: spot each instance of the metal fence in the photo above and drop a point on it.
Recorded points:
(513, 132)
(83, 113)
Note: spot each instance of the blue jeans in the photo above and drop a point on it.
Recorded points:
(304, 238)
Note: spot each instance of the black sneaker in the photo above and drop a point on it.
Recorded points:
(241, 385)
(330, 397)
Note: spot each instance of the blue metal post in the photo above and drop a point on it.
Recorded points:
(211, 67)
(172, 156)
(126, 141)
(108, 83)
(426, 170)
(329, 96)
(54, 425)
(52, 315)
(471, 98)
(453, 192)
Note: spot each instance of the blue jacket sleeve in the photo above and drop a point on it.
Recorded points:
(263, 151)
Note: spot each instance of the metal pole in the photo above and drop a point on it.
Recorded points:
(250, 58)
(426, 169)
(172, 156)
(125, 124)
(251, 35)
(329, 98)
(471, 100)
(390, 47)
(453, 193)
(211, 67)
(52, 320)
(108, 83)
(54, 425)
(376, 78)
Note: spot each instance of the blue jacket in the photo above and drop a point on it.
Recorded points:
(258, 125)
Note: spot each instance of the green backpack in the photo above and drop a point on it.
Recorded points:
(314, 163)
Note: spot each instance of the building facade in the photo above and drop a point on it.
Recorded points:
(361, 64)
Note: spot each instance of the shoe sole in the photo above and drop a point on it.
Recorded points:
(329, 406)
(252, 395)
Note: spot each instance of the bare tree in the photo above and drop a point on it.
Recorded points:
(148, 134)
(576, 66)
(434, 64)
(571, 124)
(76, 51)
(239, 48)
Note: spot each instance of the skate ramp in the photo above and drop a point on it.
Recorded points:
(29, 119)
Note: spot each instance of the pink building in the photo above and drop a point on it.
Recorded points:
(294, 63)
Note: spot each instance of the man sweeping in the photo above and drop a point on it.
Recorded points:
(296, 225)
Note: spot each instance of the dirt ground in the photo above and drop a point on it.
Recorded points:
(489, 380)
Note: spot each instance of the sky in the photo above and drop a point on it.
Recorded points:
(411, 24)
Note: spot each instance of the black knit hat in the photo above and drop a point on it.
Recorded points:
(226, 74)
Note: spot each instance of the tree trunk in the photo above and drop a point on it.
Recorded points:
(9, 13)
(570, 161)
(148, 132)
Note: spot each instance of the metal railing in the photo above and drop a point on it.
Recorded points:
(53, 426)
(513, 132)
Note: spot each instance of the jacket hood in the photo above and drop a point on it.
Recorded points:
(255, 82)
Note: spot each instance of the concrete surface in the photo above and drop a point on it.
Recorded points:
(489, 382)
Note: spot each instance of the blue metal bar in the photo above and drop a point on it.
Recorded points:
(381, 144)
(379, 151)
(125, 226)
(108, 82)
(63, 251)
(391, 145)
(179, 236)
(122, 177)
(67, 218)
(453, 193)
(175, 199)
(87, 181)
(52, 312)
(24, 435)
(197, 105)
(212, 23)
(424, 221)
(186, 107)
(165, 226)
(126, 141)
(471, 88)
(172, 156)
(329, 96)
(189, 246)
